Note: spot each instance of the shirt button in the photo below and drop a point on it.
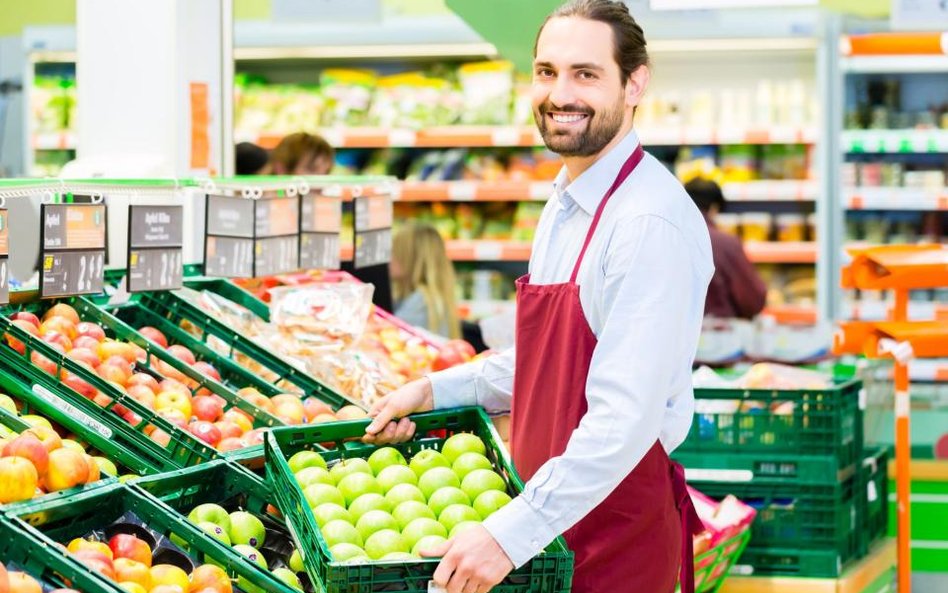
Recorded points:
(535, 543)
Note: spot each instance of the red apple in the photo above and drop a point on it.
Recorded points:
(62, 310)
(161, 437)
(453, 353)
(230, 444)
(228, 429)
(173, 385)
(59, 325)
(208, 577)
(174, 416)
(166, 370)
(78, 385)
(143, 395)
(96, 562)
(128, 546)
(43, 363)
(206, 431)
(154, 335)
(55, 337)
(26, 316)
(132, 418)
(88, 343)
(206, 408)
(114, 373)
(144, 379)
(315, 407)
(182, 354)
(49, 437)
(67, 468)
(26, 326)
(84, 355)
(206, 370)
(254, 437)
(91, 330)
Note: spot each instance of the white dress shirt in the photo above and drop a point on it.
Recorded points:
(642, 290)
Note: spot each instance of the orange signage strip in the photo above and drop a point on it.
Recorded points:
(890, 44)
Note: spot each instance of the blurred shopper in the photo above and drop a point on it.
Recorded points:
(250, 159)
(423, 280)
(736, 289)
(302, 154)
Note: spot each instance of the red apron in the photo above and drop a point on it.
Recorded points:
(640, 535)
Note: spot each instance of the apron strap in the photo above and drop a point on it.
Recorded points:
(691, 525)
(630, 164)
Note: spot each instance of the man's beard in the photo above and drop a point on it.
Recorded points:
(600, 129)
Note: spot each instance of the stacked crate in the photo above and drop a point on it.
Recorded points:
(798, 457)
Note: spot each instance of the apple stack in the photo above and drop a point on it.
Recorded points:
(391, 507)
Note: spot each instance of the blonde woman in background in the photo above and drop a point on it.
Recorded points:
(423, 281)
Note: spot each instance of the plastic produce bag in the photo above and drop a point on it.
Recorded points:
(488, 92)
(319, 315)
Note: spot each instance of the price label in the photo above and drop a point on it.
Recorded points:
(4, 257)
(276, 255)
(372, 230)
(73, 249)
(229, 237)
(320, 223)
(155, 241)
(277, 236)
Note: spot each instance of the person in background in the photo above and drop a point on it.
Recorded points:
(423, 281)
(736, 289)
(250, 159)
(302, 154)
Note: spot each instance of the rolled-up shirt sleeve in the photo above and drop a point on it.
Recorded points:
(487, 382)
(634, 372)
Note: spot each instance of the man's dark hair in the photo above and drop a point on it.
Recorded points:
(249, 158)
(628, 38)
(705, 194)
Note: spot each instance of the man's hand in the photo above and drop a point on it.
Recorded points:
(390, 424)
(472, 562)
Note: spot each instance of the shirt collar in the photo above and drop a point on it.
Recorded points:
(591, 186)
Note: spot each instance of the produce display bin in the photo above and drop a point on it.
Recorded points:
(549, 572)
(22, 551)
(873, 498)
(182, 449)
(765, 424)
(230, 486)
(713, 566)
(178, 311)
(95, 510)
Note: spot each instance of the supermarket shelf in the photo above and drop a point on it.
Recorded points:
(895, 141)
(879, 310)
(889, 64)
(528, 136)
(54, 141)
(895, 44)
(498, 191)
(776, 252)
(792, 314)
(895, 198)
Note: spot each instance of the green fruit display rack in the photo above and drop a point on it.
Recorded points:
(22, 551)
(229, 485)
(549, 572)
(713, 566)
(182, 449)
(60, 521)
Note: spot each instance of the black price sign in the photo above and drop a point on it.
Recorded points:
(73, 249)
(320, 223)
(4, 257)
(277, 236)
(372, 230)
(229, 235)
(155, 241)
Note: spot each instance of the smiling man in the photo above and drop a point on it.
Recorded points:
(599, 382)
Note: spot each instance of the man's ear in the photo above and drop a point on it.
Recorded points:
(636, 85)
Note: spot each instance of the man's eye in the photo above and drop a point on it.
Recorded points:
(586, 75)
(544, 73)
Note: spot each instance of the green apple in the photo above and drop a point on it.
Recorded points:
(318, 494)
(457, 513)
(106, 466)
(350, 466)
(330, 511)
(384, 542)
(427, 459)
(313, 475)
(427, 543)
(397, 557)
(410, 510)
(288, 577)
(404, 492)
(385, 457)
(394, 475)
(246, 529)
(341, 532)
(296, 562)
(462, 443)
(253, 554)
(347, 552)
(7, 403)
(374, 521)
(481, 480)
(213, 513)
(420, 528)
(462, 527)
(373, 501)
(487, 503)
(469, 462)
(437, 478)
(215, 531)
(445, 497)
(356, 484)
(305, 459)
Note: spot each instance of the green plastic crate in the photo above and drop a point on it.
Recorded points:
(183, 448)
(873, 498)
(220, 482)
(817, 422)
(710, 467)
(85, 512)
(789, 562)
(797, 516)
(232, 292)
(22, 551)
(177, 310)
(549, 572)
(712, 567)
